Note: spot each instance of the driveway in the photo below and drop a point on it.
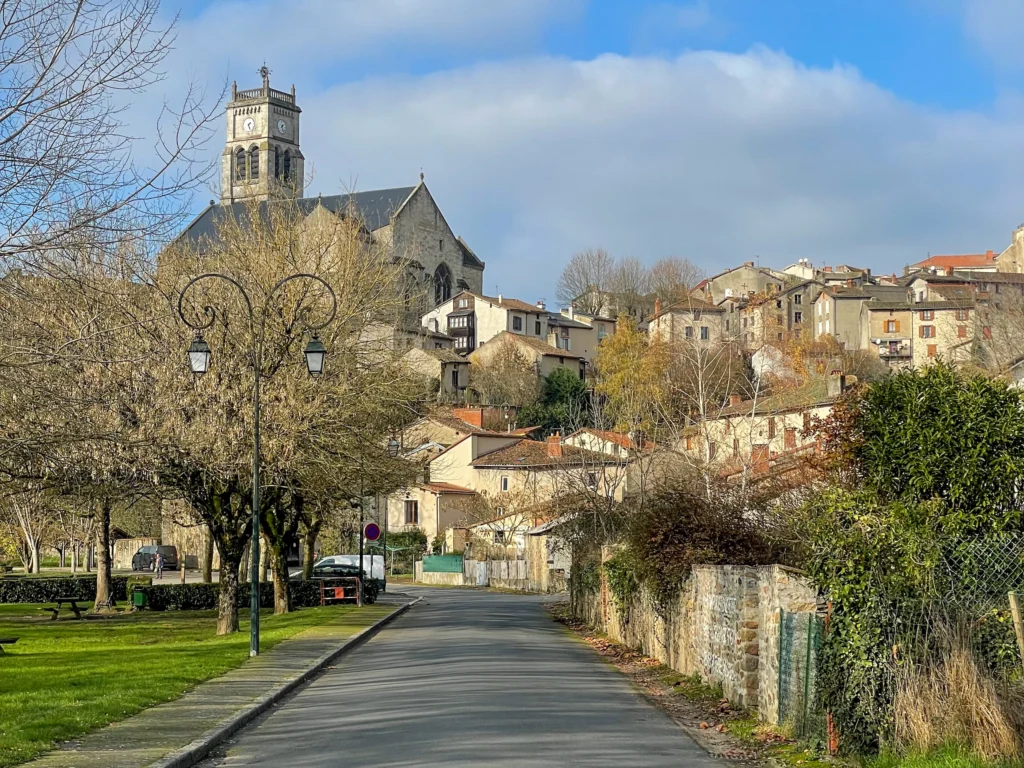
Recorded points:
(467, 678)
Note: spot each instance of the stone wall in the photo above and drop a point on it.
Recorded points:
(723, 627)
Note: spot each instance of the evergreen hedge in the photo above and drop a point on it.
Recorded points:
(17, 589)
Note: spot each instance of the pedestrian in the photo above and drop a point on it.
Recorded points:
(158, 562)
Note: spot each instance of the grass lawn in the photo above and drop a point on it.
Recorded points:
(949, 757)
(66, 677)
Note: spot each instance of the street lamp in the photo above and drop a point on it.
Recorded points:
(199, 354)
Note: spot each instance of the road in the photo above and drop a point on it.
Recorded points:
(467, 678)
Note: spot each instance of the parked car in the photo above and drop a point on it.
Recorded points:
(332, 570)
(143, 559)
(372, 564)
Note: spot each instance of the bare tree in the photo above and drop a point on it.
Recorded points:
(507, 376)
(31, 517)
(630, 288)
(67, 170)
(585, 280)
(672, 278)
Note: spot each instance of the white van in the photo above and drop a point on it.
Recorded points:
(373, 565)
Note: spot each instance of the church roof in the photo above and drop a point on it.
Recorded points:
(374, 207)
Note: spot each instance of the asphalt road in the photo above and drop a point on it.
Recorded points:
(467, 678)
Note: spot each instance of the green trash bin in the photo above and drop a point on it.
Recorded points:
(139, 598)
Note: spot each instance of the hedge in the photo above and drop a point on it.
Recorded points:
(200, 597)
(46, 590)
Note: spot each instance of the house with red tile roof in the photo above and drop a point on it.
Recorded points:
(969, 263)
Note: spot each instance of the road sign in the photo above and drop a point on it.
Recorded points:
(371, 532)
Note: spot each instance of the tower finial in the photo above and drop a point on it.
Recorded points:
(421, 175)
(265, 74)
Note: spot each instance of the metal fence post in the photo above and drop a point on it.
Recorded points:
(807, 673)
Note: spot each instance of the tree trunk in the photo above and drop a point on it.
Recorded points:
(279, 560)
(35, 564)
(309, 551)
(208, 558)
(62, 554)
(74, 557)
(227, 603)
(243, 566)
(265, 561)
(104, 600)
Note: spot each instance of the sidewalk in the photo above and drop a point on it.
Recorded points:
(166, 728)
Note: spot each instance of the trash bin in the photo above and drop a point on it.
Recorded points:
(139, 599)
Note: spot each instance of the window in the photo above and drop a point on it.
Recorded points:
(254, 163)
(504, 483)
(688, 332)
(932, 350)
(455, 378)
(286, 171)
(499, 537)
(798, 299)
(778, 304)
(891, 326)
(771, 428)
(744, 324)
(798, 317)
(442, 284)
(536, 327)
(277, 164)
(412, 512)
(807, 421)
(920, 295)
(435, 218)
(961, 331)
(735, 446)
(517, 323)
(704, 335)
(440, 246)
(592, 481)
(779, 320)
(962, 314)
(779, 336)
(727, 325)
(601, 332)
(240, 164)
(927, 314)
(927, 331)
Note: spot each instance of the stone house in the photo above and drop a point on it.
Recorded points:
(942, 329)
(968, 263)
(888, 327)
(544, 358)
(449, 370)
(474, 319)
(262, 162)
(836, 310)
(693, 321)
(743, 280)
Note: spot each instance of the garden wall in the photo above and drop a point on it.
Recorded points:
(723, 627)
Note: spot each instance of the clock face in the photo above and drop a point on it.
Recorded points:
(282, 127)
(249, 124)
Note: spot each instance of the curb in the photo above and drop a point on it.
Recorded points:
(200, 748)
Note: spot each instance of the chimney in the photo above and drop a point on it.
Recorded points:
(572, 310)
(989, 255)
(735, 399)
(540, 304)
(826, 269)
(555, 446)
(949, 271)
(499, 298)
(474, 416)
(657, 307)
(748, 263)
(849, 283)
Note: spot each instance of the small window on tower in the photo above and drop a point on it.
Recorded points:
(277, 164)
(287, 170)
(240, 164)
(254, 163)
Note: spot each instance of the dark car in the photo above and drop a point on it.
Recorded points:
(143, 559)
(337, 570)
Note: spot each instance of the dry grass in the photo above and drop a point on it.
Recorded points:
(953, 701)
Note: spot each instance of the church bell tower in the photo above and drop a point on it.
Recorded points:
(261, 157)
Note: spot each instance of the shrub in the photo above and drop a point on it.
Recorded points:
(45, 590)
(203, 597)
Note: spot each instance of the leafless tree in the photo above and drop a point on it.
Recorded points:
(68, 165)
(586, 280)
(507, 376)
(672, 278)
(630, 288)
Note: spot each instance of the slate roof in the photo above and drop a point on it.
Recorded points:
(813, 393)
(445, 356)
(919, 306)
(538, 345)
(690, 304)
(374, 207)
(516, 304)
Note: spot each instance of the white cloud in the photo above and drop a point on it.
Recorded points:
(995, 25)
(716, 157)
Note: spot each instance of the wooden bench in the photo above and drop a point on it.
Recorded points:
(71, 602)
(6, 641)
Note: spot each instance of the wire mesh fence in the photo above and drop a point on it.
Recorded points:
(977, 575)
(800, 637)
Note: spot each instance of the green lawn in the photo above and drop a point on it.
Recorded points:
(950, 757)
(66, 677)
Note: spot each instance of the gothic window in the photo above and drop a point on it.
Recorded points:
(442, 284)
(254, 163)
(240, 164)
(287, 170)
(277, 164)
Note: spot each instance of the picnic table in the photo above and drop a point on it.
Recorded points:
(71, 602)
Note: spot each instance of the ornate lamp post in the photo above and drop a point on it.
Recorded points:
(199, 355)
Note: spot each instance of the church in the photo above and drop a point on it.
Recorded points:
(262, 160)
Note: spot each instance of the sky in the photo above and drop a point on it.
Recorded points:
(869, 132)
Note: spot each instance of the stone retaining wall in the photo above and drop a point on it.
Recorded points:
(723, 627)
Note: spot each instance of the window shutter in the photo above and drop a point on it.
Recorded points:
(920, 331)
(897, 326)
(961, 331)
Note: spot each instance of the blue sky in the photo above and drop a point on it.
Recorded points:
(857, 131)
